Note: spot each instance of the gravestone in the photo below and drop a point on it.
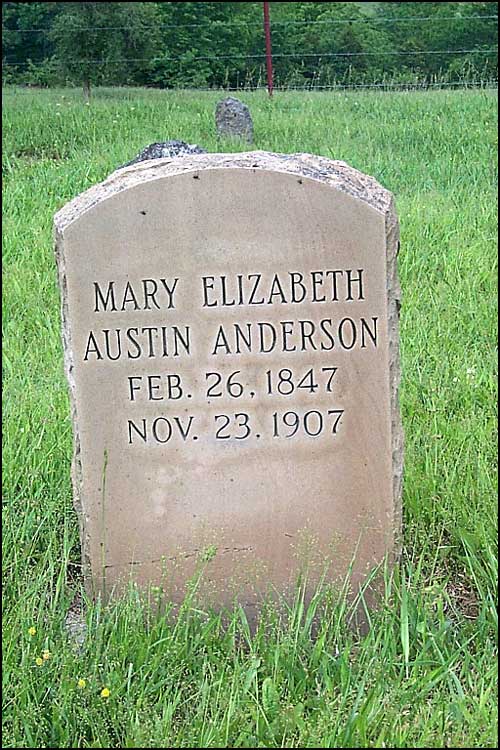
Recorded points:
(230, 329)
(165, 149)
(233, 120)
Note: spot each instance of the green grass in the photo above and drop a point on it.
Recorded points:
(425, 674)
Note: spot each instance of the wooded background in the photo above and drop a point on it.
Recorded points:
(221, 44)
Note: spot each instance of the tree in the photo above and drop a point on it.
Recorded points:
(21, 45)
(205, 44)
(92, 40)
(213, 44)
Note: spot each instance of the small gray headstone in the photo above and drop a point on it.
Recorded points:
(164, 150)
(233, 119)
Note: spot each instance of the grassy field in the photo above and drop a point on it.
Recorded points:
(425, 675)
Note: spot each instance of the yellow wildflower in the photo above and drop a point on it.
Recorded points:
(105, 693)
(32, 630)
(38, 661)
(81, 683)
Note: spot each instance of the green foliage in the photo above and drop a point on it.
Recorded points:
(221, 44)
(91, 39)
(425, 673)
(195, 34)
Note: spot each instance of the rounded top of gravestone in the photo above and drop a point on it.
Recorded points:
(233, 119)
(164, 150)
(336, 174)
(231, 101)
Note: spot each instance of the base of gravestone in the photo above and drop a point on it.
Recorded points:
(301, 605)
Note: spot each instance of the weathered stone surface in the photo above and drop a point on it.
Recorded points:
(75, 623)
(230, 328)
(233, 119)
(164, 150)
